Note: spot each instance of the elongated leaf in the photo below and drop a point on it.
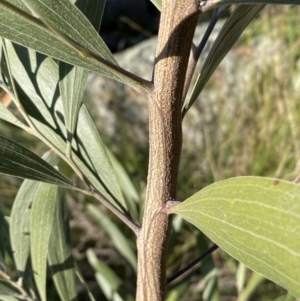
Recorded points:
(157, 3)
(60, 253)
(7, 298)
(73, 79)
(38, 93)
(109, 282)
(41, 220)
(15, 160)
(19, 26)
(20, 217)
(229, 34)
(6, 115)
(5, 245)
(71, 86)
(65, 17)
(20, 223)
(210, 4)
(256, 220)
(118, 238)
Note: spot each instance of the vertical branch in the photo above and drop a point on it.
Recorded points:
(178, 22)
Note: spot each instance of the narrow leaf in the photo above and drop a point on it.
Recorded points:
(157, 3)
(71, 86)
(15, 160)
(229, 34)
(37, 78)
(60, 253)
(118, 238)
(7, 289)
(19, 26)
(110, 284)
(6, 115)
(210, 4)
(255, 220)
(20, 218)
(7, 298)
(67, 19)
(20, 223)
(41, 220)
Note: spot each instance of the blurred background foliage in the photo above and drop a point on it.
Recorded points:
(262, 139)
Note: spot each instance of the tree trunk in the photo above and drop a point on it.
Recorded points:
(177, 26)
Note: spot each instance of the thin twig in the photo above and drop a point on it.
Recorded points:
(23, 294)
(123, 217)
(192, 264)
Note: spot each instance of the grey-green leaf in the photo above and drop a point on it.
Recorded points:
(256, 220)
(229, 34)
(19, 26)
(60, 252)
(20, 217)
(20, 223)
(118, 238)
(37, 80)
(16, 160)
(6, 288)
(65, 18)
(6, 115)
(71, 85)
(41, 220)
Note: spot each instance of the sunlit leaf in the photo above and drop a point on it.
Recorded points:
(7, 298)
(7, 289)
(60, 253)
(157, 3)
(6, 115)
(256, 220)
(65, 17)
(71, 86)
(20, 217)
(119, 240)
(18, 25)
(210, 4)
(20, 223)
(15, 160)
(37, 80)
(41, 220)
(229, 34)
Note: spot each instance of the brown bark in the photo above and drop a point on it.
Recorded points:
(178, 22)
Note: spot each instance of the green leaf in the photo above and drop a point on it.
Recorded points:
(5, 244)
(20, 223)
(6, 115)
(213, 3)
(118, 238)
(60, 253)
(65, 18)
(37, 78)
(7, 289)
(129, 191)
(41, 220)
(229, 34)
(71, 85)
(110, 283)
(17, 25)
(256, 220)
(20, 217)
(7, 298)
(15, 160)
(157, 3)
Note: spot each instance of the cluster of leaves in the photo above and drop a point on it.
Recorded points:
(239, 214)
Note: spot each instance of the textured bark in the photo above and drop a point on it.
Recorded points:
(178, 22)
